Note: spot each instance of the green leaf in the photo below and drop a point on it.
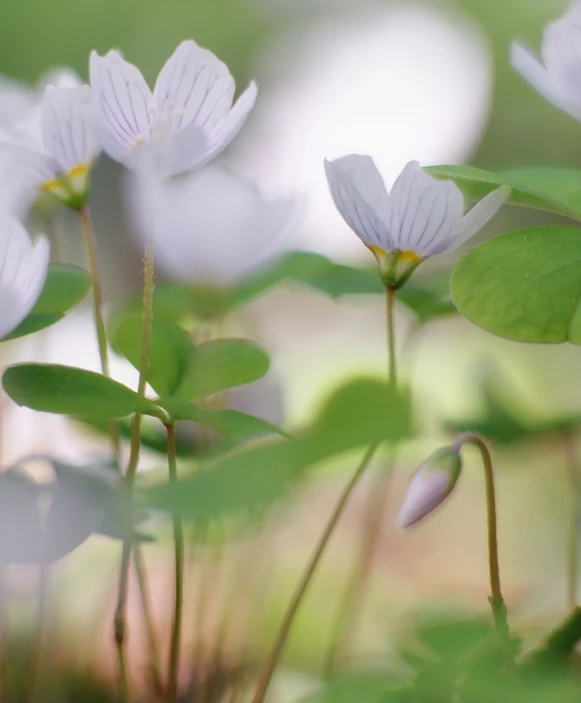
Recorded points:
(226, 363)
(66, 390)
(523, 285)
(557, 190)
(360, 687)
(558, 647)
(362, 412)
(250, 480)
(171, 350)
(65, 287)
(234, 425)
(245, 482)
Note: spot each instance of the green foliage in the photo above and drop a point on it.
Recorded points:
(248, 481)
(66, 390)
(557, 190)
(523, 285)
(171, 350)
(225, 363)
(65, 287)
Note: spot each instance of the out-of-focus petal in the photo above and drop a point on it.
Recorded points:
(67, 127)
(534, 72)
(476, 218)
(60, 77)
(354, 208)
(422, 211)
(209, 227)
(122, 100)
(23, 270)
(194, 88)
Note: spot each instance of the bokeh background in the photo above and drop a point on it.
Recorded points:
(399, 80)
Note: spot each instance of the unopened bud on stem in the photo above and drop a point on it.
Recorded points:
(430, 485)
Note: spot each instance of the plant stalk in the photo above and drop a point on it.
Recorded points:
(273, 657)
(573, 542)
(497, 604)
(120, 624)
(179, 575)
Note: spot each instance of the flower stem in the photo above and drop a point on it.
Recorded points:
(350, 605)
(179, 575)
(120, 624)
(87, 227)
(499, 611)
(273, 657)
(573, 547)
(85, 216)
(36, 663)
(141, 575)
(390, 327)
(351, 600)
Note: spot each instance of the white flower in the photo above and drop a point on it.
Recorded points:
(209, 227)
(429, 486)
(420, 217)
(19, 113)
(23, 269)
(54, 146)
(556, 74)
(183, 124)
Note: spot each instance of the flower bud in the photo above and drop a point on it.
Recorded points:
(430, 485)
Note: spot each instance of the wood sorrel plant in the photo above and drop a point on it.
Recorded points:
(520, 285)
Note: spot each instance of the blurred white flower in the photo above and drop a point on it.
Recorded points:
(420, 217)
(556, 74)
(54, 146)
(429, 486)
(209, 227)
(183, 124)
(18, 103)
(23, 269)
(18, 98)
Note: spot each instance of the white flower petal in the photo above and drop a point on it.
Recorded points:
(209, 227)
(422, 210)
(16, 99)
(61, 77)
(196, 86)
(122, 100)
(67, 127)
(355, 209)
(28, 167)
(534, 72)
(366, 179)
(225, 131)
(23, 270)
(185, 151)
(476, 218)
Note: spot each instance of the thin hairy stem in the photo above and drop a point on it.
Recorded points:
(120, 625)
(573, 541)
(265, 674)
(179, 575)
(87, 227)
(499, 611)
